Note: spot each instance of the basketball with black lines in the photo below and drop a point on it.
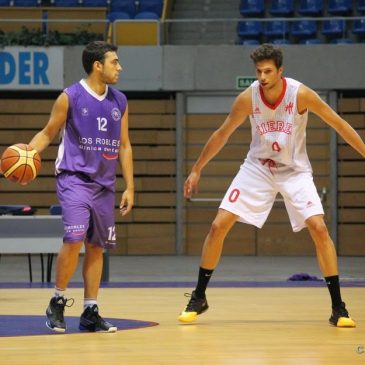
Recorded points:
(20, 163)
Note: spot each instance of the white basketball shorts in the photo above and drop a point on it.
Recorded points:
(252, 193)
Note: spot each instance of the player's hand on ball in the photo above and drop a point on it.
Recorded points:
(20, 163)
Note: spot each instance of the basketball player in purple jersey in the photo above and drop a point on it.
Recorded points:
(92, 119)
(276, 162)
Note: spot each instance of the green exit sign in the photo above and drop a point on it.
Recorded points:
(243, 82)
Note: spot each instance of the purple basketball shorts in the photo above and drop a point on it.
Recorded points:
(87, 210)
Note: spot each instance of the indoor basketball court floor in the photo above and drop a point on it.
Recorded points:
(256, 315)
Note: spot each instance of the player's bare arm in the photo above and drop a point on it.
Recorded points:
(241, 108)
(57, 119)
(126, 162)
(309, 99)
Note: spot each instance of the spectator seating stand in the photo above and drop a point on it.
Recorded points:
(136, 32)
(361, 6)
(62, 19)
(30, 17)
(358, 28)
(66, 3)
(252, 8)
(283, 8)
(94, 17)
(276, 29)
(249, 29)
(311, 7)
(304, 21)
(304, 29)
(339, 7)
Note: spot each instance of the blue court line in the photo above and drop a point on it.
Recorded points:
(30, 325)
(191, 284)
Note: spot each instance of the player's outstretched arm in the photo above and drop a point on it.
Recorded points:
(241, 108)
(57, 119)
(309, 99)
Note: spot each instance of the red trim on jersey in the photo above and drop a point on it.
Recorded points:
(110, 157)
(280, 99)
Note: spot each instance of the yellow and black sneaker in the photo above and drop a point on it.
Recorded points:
(340, 317)
(195, 306)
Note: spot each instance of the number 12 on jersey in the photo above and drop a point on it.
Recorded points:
(102, 123)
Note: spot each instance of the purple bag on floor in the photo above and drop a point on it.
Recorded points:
(302, 276)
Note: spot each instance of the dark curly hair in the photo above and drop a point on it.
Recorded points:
(268, 52)
(95, 51)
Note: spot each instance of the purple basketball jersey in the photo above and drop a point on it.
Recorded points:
(90, 140)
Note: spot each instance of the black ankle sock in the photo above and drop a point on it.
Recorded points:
(204, 277)
(334, 289)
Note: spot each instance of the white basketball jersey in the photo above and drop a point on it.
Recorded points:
(279, 131)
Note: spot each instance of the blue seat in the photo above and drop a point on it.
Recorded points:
(282, 8)
(249, 42)
(304, 29)
(115, 15)
(311, 7)
(252, 7)
(310, 41)
(55, 209)
(341, 41)
(26, 2)
(249, 29)
(147, 15)
(358, 27)
(339, 7)
(95, 3)
(280, 41)
(361, 6)
(276, 28)
(126, 6)
(154, 6)
(334, 27)
(67, 3)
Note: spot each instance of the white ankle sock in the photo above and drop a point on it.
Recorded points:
(89, 302)
(59, 292)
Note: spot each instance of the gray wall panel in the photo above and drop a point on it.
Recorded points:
(321, 67)
(179, 68)
(218, 67)
(215, 68)
(73, 70)
(142, 67)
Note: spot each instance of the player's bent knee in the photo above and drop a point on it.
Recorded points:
(222, 223)
(218, 228)
(319, 228)
(317, 225)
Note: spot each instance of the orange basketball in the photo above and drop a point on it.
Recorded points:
(20, 163)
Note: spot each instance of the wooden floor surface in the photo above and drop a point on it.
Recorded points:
(243, 326)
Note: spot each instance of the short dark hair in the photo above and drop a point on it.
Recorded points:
(95, 51)
(268, 52)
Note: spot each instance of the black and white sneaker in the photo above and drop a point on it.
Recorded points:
(55, 319)
(91, 321)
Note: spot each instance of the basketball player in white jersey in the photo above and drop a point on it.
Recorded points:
(277, 162)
